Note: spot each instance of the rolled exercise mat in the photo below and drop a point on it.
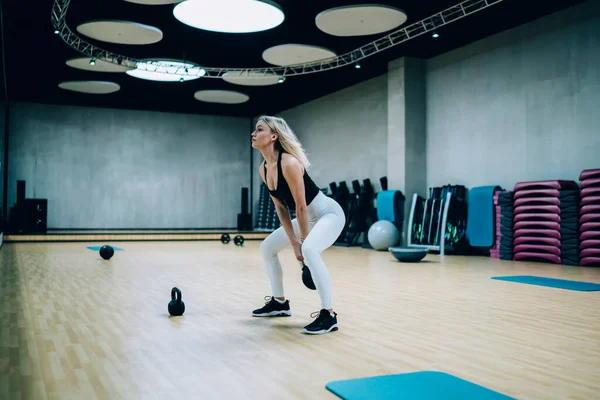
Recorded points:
(589, 174)
(480, 216)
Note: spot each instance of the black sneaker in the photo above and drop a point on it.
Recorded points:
(273, 308)
(324, 323)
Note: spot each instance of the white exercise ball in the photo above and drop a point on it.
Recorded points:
(382, 235)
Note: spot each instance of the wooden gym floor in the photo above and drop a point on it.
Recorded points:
(74, 326)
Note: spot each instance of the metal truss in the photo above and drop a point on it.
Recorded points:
(429, 24)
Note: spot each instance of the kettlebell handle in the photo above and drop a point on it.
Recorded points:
(176, 294)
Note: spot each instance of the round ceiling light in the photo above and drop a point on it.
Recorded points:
(221, 96)
(121, 32)
(175, 72)
(360, 20)
(97, 66)
(230, 16)
(92, 87)
(291, 54)
(251, 78)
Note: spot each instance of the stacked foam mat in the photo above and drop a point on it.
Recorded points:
(589, 218)
(504, 224)
(495, 249)
(546, 226)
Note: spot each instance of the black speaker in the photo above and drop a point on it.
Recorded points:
(33, 216)
(244, 200)
(20, 192)
(244, 222)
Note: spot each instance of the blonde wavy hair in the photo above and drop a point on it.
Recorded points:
(287, 138)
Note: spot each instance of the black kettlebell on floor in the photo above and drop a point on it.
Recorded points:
(176, 306)
(307, 277)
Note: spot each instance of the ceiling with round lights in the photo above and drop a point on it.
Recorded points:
(230, 16)
(221, 96)
(269, 53)
(95, 65)
(90, 87)
(290, 54)
(360, 20)
(121, 32)
(251, 78)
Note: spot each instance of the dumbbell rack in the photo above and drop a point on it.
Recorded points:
(443, 213)
(266, 216)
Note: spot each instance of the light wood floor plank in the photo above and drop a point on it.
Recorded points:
(79, 327)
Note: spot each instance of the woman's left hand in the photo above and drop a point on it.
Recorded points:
(298, 251)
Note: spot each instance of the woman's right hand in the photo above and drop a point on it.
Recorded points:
(298, 251)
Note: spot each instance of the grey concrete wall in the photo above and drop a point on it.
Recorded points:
(2, 166)
(519, 106)
(344, 134)
(406, 164)
(107, 168)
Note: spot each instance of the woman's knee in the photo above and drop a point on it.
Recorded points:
(310, 252)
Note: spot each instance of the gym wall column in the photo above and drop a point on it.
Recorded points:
(407, 130)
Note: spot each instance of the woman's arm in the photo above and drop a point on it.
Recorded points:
(293, 172)
(286, 220)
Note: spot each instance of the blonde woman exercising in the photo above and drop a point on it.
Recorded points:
(319, 220)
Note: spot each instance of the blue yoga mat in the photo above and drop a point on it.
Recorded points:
(97, 248)
(424, 385)
(480, 216)
(551, 282)
(386, 210)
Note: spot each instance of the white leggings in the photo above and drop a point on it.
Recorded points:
(326, 221)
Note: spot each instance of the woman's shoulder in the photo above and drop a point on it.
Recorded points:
(288, 160)
(291, 163)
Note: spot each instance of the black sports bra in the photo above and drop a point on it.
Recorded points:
(282, 191)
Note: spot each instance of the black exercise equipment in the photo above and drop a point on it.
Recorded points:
(439, 223)
(106, 252)
(360, 211)
(408, 254)
(244, 219)
(225, 238)
(238, 240)
(307, 277)
(266, 215)
(176, 305)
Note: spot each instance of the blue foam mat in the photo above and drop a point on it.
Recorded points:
(551, 282)
(97, 248)
(480, 216)
(423, 385)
